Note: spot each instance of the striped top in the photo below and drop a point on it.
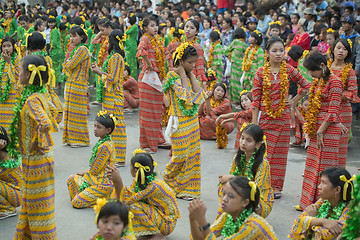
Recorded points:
(77, 68)
(114, 75)
(237, 50)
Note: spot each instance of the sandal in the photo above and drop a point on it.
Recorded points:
(187, 198)
(277, 195)
(7, 215)
(119, 164)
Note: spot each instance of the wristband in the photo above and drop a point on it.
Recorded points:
(206, 227)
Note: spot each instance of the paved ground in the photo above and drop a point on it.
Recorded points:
(79, 224)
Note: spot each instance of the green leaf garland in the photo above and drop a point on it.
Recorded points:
(325, 208)
(100, 88)
(10, 163)
(12, 147)
(246, 167)
(231, 227)
(95, 148)
(148, 180)
(5, 95)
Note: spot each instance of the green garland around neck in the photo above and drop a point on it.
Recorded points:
(5, 95)
(325, 208)
(95, 148)
(148, 180)
(39, 53)
(12, 147)
(75, 49)
(100, 87)
(187, 112)
(246, 168)
(231, 227)
(10, 163)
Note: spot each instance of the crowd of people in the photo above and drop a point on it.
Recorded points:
(195, 70)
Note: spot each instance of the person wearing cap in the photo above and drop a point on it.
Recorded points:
(302, 38)
(251, 24)
(213, 12)
(321, 5)
(348, 23)
(10, 180)
(308, 15)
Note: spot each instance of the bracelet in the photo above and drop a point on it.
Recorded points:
(319, 134)
(206, 227)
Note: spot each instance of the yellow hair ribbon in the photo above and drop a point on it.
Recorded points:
(102, 113)
(305, 53)
(138, 150)
(156, 165)
(264, 140)
(257, 32)
(346, 185)
(243, 126)
(253, 190)
(121, 45)
(82, 18)
(162, 24)
(277, 22)
(243, 91)
(51, 16)
(172, 30)
(181, 31)
(350, 42)
(114, 119)
(140, 24)
(132, 14)
(52, 77)
(180, 50)
(142, 169)
(216, 30)
(330, 30)
(130, 225)
(36, 70)
(100, 202)
(211, 72)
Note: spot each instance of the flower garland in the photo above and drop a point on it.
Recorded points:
(246, 167)
(211, 54)
(314, 106)
(221, 133)
(231, 227)
(62, 40)
(5, 95)
(175, 40)
(325, 208)
(187, 112)
(193, 41)
(95, 148)
(159, 54)
(100, 88)
(13, 145)
(247, 65)
(266, 90)
(102, 51)
(344, 71)
(125, 35)
(7, 24)
(148, 180)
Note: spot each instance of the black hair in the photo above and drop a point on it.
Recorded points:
(106, 121)
(271, 41)
(249, 96)
(161, 27)
(115, 207)
(52, 19)
(208, 19)
(259, 12)
(350, 8)
(242, 19)
(319, 28)
(114, 42)
(62, 26)
(335, 33)
(297, 15)
(346, 45)
(44, 18)
(295, 52)
(229, 21)
(148, 19)
(239, 33)
(8, 39)
(145, 159)
(241, 185)
(172, 21)
(275, 25)
(114, 25)
(37, 24)
(313, 61)
(333, 174)
(257, 37)
(4, 136)
(78, 30)
(229, 11)
(37, 60)
(189, 51)
(214, 36)
(24, 18)
(35, 41)
(223, 86)
(65, 7)
(78, 21)
(128, 69)
(247, 14)
(132, 19)
(196, 24)
(257, 133)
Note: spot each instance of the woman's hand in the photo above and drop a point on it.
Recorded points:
(334, 226)
(2, 143)
(113, 174)
(311, 210)
(6, 57)
(223, 179)
(34, 147)
(180, 70)
(320, 140)
(149, 68)
(197, 209)
(220, 118)
(95, 69)
(343, 128)
(81, 173)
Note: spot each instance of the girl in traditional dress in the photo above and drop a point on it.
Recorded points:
(154, 56)
(56, 52)
(150, 199)
(10, 23)
(325, 219)
(331, 37)
(113, 92)
(236, 52)
(162, 34)
(340, 65)
(239, 219)
(250, 161)
(176, 33)
(85, 187)
(131, 90)
(252, 61)
(322, 125)
(216, 55)
(299, 116)
(113, 220)
(215, 105)
(131, 43)
(191, 29)
(271, 110)
(76, 68)
(242, 117)
(9, 75)
(183, 90)
(10, 179)
(30, 139)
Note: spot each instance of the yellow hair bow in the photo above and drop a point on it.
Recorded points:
(350, 42)
(253, 190)
(243, 91)
(264, 140)
(172, 30)
(211, 72)
(216, 30)
(114, 119)
(277, 22)
(0, 42)
(142, 169)
(243, 126)
(132, 14)
(346, 185)
(180, 50)
(162, 24)
(52, 77)
(330, 30)
(100, 202)
(51, 16)
(257, 32)
(138, 150)
(36, 70)
(181, 31)
(102, 113)
(140, 24)
(82, 18)
(121, 45)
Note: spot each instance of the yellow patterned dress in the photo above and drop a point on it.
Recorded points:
(37, 213)
(155, 208)
(10, 185)
(76, 130)
(254, 227)
(263, 182)
(10, 73)
(126, 235)
(183, 172)
(84, 190)
(301, 228)
(113, 102)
